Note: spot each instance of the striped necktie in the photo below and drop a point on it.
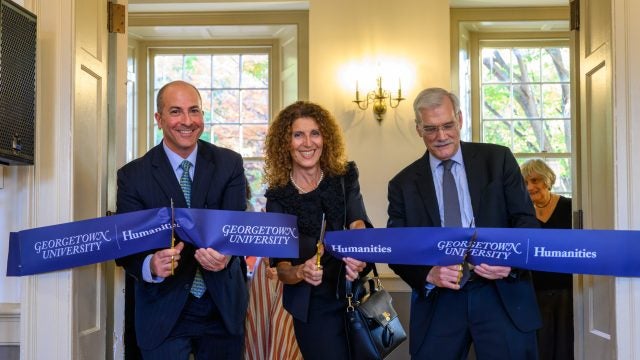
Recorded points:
(198, 286)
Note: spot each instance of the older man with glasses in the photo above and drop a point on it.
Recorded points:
(462, 184)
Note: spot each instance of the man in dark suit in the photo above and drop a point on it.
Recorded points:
(496, 310)
(200, 309)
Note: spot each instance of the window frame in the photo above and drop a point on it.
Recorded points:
(519, 39)
(209, 50)
(146, 118)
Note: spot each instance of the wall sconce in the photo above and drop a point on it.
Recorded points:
(378, 98)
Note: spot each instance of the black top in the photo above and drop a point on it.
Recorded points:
(328, 198)
(559, 219)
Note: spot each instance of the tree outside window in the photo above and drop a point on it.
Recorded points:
(526, 104)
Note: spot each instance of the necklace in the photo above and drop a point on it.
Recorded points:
(545, 205)
(301, 190)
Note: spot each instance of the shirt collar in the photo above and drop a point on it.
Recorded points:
(175, 160)
(457, 157)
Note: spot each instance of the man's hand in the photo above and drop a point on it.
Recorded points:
(492, 272)
(445, 276)
(211, 260)
(161, 261)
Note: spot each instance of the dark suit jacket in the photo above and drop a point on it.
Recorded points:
(498, 198)
(150, 182)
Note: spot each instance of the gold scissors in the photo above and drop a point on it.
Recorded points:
(320, 243)
(173, 235)
(465, 270)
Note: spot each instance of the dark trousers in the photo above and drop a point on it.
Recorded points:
(200, 331)
(555, 338)
(323, 336)
(475, 315)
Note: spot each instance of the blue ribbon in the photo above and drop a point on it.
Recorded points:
(50, 248)
(597, 252)
(91, 241)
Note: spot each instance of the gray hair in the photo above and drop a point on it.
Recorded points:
(538, 166)
(433, 98)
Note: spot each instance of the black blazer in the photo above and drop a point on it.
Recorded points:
(342, 206)
(150, 182)
(499, 199)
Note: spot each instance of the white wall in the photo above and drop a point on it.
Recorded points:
(416, 43)
(360, 32)
(345, 37)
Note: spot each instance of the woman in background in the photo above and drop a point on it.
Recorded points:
(268, 331)
(308, 175)
(269, 328)
(554, 291)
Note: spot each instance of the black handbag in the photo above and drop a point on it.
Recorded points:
(373, 327)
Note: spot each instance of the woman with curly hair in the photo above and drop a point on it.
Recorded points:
(308, 175)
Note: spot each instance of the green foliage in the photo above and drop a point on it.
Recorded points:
(235, 100)
(525, 104)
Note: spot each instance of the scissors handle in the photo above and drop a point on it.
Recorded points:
(320, 243)
(319, 250)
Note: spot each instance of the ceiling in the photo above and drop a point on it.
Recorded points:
(226, 32)
(214, 5)
(263, 5)
(272, 31)
(506, 3)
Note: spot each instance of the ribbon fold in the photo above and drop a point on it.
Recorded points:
(91, 241)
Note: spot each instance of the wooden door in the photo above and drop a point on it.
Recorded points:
(89, 153)
(595, 295)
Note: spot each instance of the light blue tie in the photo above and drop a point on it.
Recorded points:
(198, 286)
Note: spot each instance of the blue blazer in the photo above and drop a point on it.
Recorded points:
(498, 198)
(150, 182)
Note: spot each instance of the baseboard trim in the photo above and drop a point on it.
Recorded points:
(9, 324)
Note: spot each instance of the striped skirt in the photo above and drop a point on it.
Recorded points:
(269, 327)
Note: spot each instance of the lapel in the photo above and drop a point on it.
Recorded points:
(166, 177)
(203, 176)
(475, 177)
(426, 189)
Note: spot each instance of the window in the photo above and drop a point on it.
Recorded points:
(132, 129)
(235, 90)
(525, 102)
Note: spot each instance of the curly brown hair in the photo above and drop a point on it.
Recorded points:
(278, 163)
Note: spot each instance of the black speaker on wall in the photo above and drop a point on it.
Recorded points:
(17, 84)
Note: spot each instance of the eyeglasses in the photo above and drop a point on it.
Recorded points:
(432, 130)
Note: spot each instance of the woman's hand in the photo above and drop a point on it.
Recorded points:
(271, 272)
(310, 272)
(354, 267)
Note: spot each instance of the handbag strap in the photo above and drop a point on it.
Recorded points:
(344, 196)
(351, 302)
